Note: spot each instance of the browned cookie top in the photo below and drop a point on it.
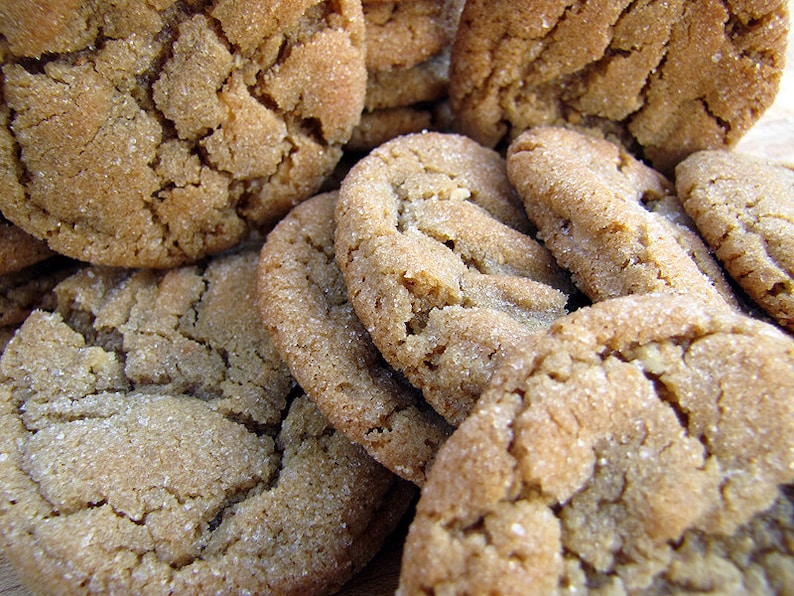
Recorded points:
(613, 222)
(303, 299)
(666, 77)
(744, 208)
(152, 444)
(434, 247)
(404, 33)
(599, 443)
(142, 136)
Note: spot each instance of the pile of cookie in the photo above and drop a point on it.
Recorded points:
(280, 276)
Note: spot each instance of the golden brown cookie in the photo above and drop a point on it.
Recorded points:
(599, 443)
(757, 559)
(435, 250)
(744, 209)
(152, 444)
(19, 249)
(408, 48)
(404, 33)
(668, 78)
(613, 222)
(303, 300)
(152, 137)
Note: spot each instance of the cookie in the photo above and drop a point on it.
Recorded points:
(408, 48)
(756, 559)
(404, 33)
(599, 443)
(303, 300)
(19, 249)
(436, 253)
(152, 443)
(375, 128)
(666, 78)
(613, 222)
(744, 209)
(30, 288)
(159, 136)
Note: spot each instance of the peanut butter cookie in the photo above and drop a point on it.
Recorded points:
(150, 137)
(666, 78)
(152, 443)
(435, 250)
(613, 222)
(303, 299)
(599, 443)
(744, 209)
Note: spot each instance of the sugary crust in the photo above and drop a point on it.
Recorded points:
(151, 446)
(425, 82)
(599, 443)
(434, 249)
(613, 222)
(182, 128)
(744, 209)
(303, 299)
(670, 77)
(404, 33)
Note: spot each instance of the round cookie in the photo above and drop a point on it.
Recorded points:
(440, 268)
(744, 209)
(613, 222)
(404, 33)
(667, 78)
(408, 48)
(143, 137)
(152, 443)
(303, 300)
(599, 443)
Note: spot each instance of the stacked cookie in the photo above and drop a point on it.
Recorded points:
(258, 310)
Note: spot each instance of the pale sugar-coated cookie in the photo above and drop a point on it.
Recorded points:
(613, 222)
(667, 78)
(152, 443)
(599, 444)
(439, 263)
(303, 299)
(744, 209)
(135, 135)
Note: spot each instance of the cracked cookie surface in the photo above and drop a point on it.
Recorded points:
(152, 443)
(667, 78)
(599, 443)
(744, 209)
(303, 299)
(613, 222)
(439, 263)
(143, 137)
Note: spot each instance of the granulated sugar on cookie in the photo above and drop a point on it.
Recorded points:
(408, 48)
(613, 222)
(436, 252)
(743, 207)
(605, 449)
(150, 137)
(665, 77)
(304, 304)
(152, 444)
